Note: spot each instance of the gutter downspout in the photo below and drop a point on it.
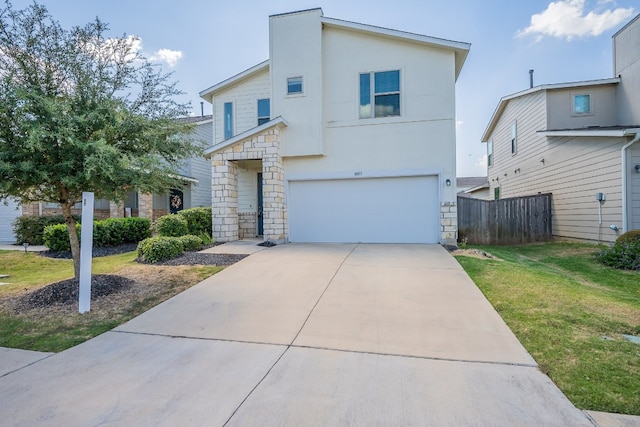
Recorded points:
(623, 153)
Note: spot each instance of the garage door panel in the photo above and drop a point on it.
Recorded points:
(377, 210)
(8, 214)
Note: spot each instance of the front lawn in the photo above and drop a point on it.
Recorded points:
(59, 326)
(570, 313)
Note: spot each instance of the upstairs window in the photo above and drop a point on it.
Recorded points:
(380, 94)
(582, 104)
(514, 139)
(264, 111)
(294, 85)
(490, 153)
(228, 120)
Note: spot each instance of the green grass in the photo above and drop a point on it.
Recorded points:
(570, 313)
(26, 270)
(56, 329)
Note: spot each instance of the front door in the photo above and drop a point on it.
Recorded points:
(260, 220)
(176, 201)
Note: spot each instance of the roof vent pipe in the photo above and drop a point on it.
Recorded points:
(530, 79)
(201, 108)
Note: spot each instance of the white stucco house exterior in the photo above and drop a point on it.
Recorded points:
(579, 141)
(345, 134)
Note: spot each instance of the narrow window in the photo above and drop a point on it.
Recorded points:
(582, 104)
(264, 111)
(383, 88)
(496, 193)
(228, 120)
(294, 85)
(490, 153)
(514, 140)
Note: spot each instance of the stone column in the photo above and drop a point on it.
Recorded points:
(145, 205)
(449, 223)
(224, 198)
(274, 211)
(116, 210)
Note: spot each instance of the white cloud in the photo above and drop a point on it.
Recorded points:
(568, 19)
(171, 57)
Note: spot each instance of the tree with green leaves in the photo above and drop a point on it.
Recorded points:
(80, 111)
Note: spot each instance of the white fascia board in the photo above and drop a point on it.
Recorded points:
(505, 99)
(461, 49)
(207, 94)
(278, 121)
(616, 133)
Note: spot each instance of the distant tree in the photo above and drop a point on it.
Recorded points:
(83, 112)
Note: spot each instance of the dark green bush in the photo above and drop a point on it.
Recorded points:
(198, 220)
(56, 237)
(108, 232)
(30, 229)
(624, 256)
(156, 249)
(191, 242)
(172, 226)
(632, 236)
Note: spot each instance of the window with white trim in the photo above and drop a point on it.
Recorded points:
(514, 138)
(294, 85)
(380, 94)
(228, 120)
(582, 103)
(264, 111)
(490, 153)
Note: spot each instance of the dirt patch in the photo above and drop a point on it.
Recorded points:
(474, 253)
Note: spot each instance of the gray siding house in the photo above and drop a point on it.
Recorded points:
(578, 141)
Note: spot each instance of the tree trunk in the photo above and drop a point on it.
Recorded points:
(73, 238)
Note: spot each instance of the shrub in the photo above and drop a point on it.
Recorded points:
(206, 238)
(156, 249)
(172, 226)
(198, 220)
(632, 236)
(30, 229)
(56, 237)
(126, 230)
(624, 256)
(191, 242)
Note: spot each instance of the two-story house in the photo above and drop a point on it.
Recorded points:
(345, 134)
(578, 141)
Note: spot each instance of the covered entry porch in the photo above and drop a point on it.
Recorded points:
(247, 191)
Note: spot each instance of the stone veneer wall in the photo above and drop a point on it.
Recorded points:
(448, 223)
(247, 224)
(224, 189)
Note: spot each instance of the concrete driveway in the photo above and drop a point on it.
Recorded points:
(301, 335)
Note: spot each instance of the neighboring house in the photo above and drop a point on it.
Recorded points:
(476, 187)
(195, 190)
(578, 141)
(346, 134)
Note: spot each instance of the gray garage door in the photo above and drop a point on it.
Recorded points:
(8, 214)
(373, 210)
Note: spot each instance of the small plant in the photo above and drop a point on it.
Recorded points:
(624, 256)
(172, 226)
(156, 249)
(191, 242)
(56, 237)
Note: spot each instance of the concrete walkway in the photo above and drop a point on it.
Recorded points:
(313, 335)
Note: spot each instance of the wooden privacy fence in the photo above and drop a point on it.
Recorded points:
(506, 221)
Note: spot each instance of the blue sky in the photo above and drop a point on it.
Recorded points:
(206, 41)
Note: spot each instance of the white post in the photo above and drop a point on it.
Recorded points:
(86, 246)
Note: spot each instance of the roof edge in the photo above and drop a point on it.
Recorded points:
(210, 91)
(278, 121)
